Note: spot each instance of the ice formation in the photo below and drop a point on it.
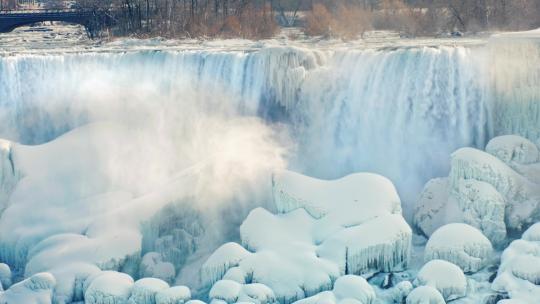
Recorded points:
(5, 276)
(497, 191)
(38, 289)
(153, 266)
(108, 287)
(299, 253)
(234, 292)
(444, 276)
(173, 295)
(348, 289)
(425, 295)
(459, 244)
(519, 273)
(144, 291)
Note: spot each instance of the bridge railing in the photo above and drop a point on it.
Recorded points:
(41, 11)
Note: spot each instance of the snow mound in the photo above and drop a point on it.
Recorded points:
(459, 244)
(425, 295)
(37, 289)
(444, 276)
(5, 276)
(519, 272)
(347, 289)
(108, 287)
(299, 253)
(173, 295)
(153, 266)
(495, 191)
(144, 291)
(234, 292)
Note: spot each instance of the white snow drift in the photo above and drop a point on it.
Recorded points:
(348, 289)
(459, 244)
(326, 229)
(494, 191)
(444, 276)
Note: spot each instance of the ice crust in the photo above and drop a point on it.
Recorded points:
(444, 276)
(347, 289)
(298, 254)
(425, 295)
(497, 191)
(38, 289)
(519, 271)
(460, 244)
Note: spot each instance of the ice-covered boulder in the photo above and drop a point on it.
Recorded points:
(425, 295)
(5, 276)
(444, 276)
(173, 295)
(519, 272)
(38, 289)
(460, 244)
(9, 173)
(144, 290)
(233, 292)
(108, 287)
(299, 253)
(153, 266)
(495, 191)
(347, 289)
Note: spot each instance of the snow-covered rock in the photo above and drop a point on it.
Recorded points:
(37, 289)
(108, 287)
(5, 276)
(300, 253)
(173, 295)
(425, 295)
(519, 272)
(347, 289)
(153, 266)
(233, 292)
(459, 244)
(444, 276)
(495, 191)
(144, 291)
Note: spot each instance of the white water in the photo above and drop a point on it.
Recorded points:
(399, 112)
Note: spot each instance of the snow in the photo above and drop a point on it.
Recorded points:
(152, 266)
(497, 191)
(108, 287)
(233, 292)
(298, 254)
(347, 289)
(144, 291)
(519, 271)
(5, 276)
(444, 276)
(425, 295)
(173, 295)
(460, 244)
(38, 289)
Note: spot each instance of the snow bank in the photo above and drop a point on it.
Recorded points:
(299, 253)
(493, 191)
(108, 287)
(519, 272)
(233, 292)
(425, 295)
(347, 289)
(459, 244)
(5, 276)
(38, 289)
(444, 276)
(153, 266)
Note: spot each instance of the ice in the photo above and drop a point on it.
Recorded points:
(109, 287)
(5, 276)
(459, 244)
(298, 254)
(497, 192)
(347, 289)
(38, 289)
(444, 276)
(425, 295)
(519, 272)
(152, 266)
(173, 295)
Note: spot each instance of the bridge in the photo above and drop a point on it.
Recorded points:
(93, 21)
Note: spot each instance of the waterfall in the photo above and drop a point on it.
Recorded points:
(399, 112)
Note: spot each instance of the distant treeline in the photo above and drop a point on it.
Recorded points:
(339, 18)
